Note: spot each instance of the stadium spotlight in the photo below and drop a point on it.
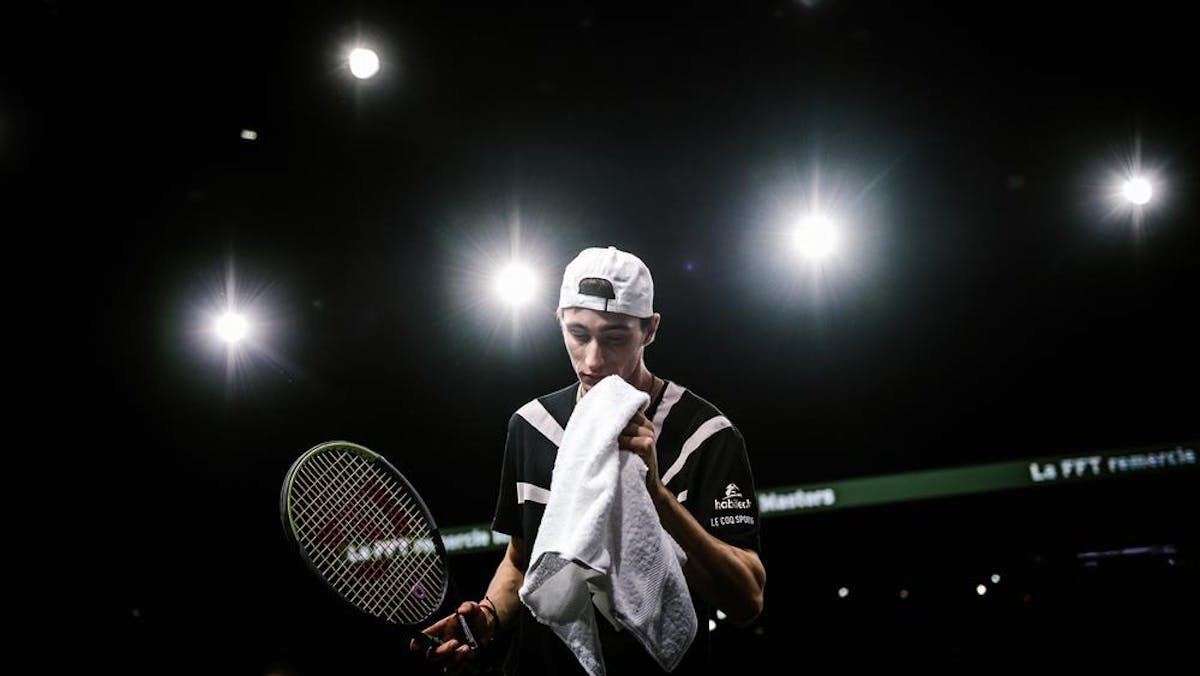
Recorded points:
(516, 284)
(364, 63)
(231, 327)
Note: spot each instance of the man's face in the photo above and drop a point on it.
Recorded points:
(602, 344)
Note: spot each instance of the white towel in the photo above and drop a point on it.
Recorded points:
(601, 540)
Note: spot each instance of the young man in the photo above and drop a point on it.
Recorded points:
(699, 480)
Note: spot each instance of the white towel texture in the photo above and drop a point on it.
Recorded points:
(601, 542)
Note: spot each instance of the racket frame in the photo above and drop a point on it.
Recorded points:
(290, 529)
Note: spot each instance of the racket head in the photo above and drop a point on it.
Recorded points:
(365, 531)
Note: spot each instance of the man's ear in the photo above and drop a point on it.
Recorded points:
(653, 332)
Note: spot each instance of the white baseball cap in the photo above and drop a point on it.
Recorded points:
(609, 280)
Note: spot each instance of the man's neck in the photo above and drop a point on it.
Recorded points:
(644, 380)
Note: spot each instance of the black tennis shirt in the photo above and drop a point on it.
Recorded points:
(702, 460)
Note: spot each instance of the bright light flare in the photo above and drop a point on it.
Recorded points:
(823, 233)
(815, 237)
(364, 63)
(516, 284)
(240, 324)
(1135, 188)
(498, 278)
(1138, 191)
(231, 327)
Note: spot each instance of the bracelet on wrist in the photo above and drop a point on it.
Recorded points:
(490, 606)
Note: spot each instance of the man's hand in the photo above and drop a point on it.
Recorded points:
(454, 652)
(638, 437)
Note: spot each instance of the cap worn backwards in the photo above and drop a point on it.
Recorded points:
(609, 280)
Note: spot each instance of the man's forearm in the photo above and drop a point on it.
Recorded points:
(728, 577)
(507, 581)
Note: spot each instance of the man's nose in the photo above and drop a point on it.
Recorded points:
(593, 356)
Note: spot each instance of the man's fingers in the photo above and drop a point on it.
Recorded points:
(638, 443)
(639, 419)
(638, 434)
(456, 661)
(445, 651)
(425, 646)
(636, 429)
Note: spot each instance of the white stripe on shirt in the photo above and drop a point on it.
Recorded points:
(672, 396)
(542, 421)
(710, 427)
(531, 493)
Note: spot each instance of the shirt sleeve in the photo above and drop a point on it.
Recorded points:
(507, 518)
(721, 493)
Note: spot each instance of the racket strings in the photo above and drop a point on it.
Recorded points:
(371, 580)
(378, 584)
(367, 537)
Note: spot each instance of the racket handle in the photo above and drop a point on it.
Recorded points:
(467, 635)
(466, 631)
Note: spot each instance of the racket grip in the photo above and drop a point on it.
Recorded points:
(466, 631)
(467, 635)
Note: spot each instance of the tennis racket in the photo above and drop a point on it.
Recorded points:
(364, 530)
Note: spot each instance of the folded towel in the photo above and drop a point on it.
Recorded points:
(601, 541)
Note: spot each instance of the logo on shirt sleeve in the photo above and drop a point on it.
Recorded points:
(733, 499)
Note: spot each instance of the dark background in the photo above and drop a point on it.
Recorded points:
(992, 303)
